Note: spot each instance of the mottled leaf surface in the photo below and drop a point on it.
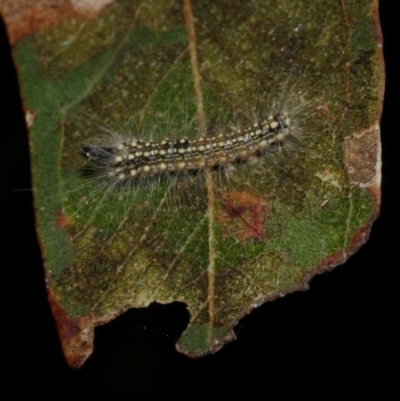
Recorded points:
(221, 242)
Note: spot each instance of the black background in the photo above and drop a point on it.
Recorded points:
(339, 339)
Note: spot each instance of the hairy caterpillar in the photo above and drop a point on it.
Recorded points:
(122, 161)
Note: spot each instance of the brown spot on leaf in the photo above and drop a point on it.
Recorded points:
(243, 215)
(26, 17)
(76, 335)
(61, 220)
(362, 157)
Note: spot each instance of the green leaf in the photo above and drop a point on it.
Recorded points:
(221, 242)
